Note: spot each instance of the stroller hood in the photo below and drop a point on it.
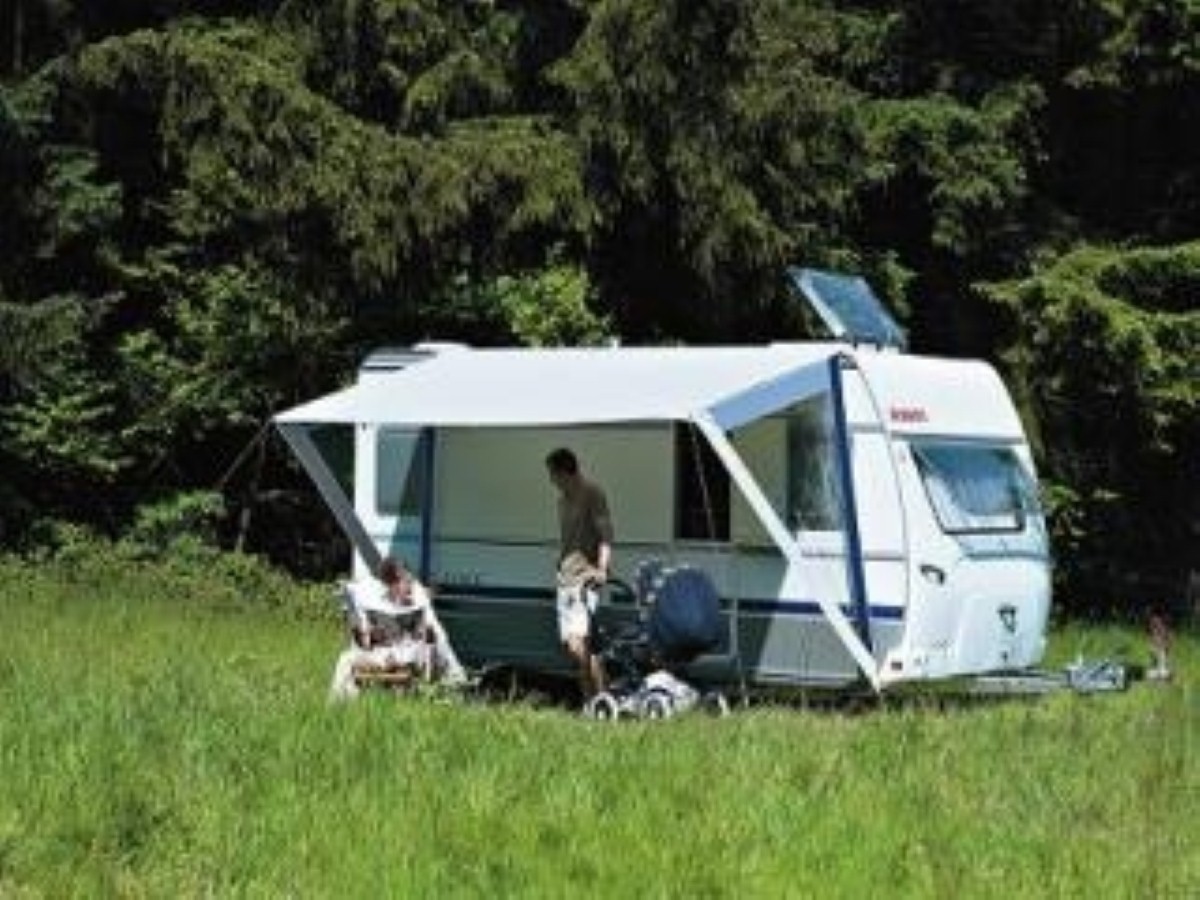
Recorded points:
(685, 620)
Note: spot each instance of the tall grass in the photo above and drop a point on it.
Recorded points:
(160, 738)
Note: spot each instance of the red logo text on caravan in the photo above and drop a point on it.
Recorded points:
(908, 415)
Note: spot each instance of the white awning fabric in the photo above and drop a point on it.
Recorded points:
(528, 388)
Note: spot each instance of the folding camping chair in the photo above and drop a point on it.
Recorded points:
(388, 647)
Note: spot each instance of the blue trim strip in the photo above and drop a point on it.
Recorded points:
(495, 592)
(812, 608)
(860, 608)
(759, 606)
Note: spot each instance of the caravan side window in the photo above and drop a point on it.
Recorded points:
(975, 489)
(813, 492)
(400, 464)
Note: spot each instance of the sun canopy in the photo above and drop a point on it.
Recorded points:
(579, 386)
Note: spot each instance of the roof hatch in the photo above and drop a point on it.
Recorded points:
(848, 307)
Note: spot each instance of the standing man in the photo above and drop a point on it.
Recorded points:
(586, 535)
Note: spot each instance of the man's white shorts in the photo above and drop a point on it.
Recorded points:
(575, 608)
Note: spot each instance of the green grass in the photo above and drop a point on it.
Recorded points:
(160, 738)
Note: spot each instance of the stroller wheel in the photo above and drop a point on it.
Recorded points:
(716, 704)
(603, 707)
(659, 706)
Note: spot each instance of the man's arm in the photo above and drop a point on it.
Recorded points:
(604, 558)
(602, 519)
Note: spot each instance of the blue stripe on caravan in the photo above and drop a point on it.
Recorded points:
(495, 592)
(812, 608)
(759, 606)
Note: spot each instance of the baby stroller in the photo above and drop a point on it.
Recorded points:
(679, 620)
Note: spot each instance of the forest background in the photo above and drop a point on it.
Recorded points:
(211, 211)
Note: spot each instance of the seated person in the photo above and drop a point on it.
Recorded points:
(394, 631)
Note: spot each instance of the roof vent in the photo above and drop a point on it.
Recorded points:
(392, 359)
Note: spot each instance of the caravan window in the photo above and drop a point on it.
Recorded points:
(813, 495)
(975, 489)
(701, 488)
(400, 475)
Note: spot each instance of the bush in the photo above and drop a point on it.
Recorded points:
(186, 571)
(176, 522)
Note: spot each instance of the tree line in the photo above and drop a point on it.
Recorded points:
(211, 211)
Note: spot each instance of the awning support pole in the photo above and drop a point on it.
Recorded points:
(339, 504)
(786, 543)
(854, 554)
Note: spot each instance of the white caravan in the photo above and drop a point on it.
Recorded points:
(866, 515)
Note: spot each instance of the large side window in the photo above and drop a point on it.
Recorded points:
(701, 489)
(813, 495)
(975, 489)
(400, 471)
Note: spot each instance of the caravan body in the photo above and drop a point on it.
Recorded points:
(865, 514)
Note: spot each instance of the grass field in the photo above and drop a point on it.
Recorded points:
(164, 737)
